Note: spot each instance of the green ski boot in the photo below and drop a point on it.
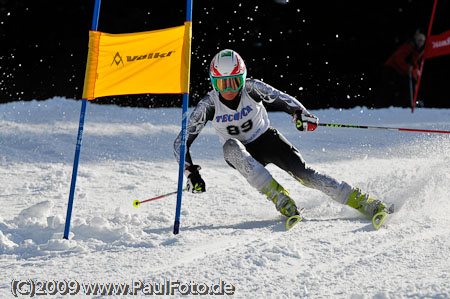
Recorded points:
(281, 198)
(374, 208)
(365, 204)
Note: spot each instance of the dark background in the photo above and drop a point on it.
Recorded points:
(325, 53)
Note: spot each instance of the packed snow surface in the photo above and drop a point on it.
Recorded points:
(231, 233)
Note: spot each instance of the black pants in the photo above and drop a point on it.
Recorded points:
(273, 147)
(393, 89)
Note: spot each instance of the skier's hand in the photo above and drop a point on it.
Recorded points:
(305, 121)
(195, 183)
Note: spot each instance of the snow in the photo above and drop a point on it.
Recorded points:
(230, 233)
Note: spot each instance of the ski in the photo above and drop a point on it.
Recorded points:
(379, 219)
(293, 220)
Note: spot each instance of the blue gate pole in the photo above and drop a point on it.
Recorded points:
(79, 138)
(176, 226)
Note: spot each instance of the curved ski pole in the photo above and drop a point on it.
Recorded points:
(382, 128)
(136, 203)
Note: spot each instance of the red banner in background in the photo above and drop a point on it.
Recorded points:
(437, 45)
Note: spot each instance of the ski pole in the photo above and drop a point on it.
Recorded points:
(382, 128)
(136, 203)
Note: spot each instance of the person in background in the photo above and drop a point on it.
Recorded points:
(400, 71)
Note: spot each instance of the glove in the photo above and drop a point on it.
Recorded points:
(305, 121)
(195, 183)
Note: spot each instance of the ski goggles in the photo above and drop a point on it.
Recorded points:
(224, 84)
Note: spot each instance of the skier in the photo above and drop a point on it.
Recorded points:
(235, 108)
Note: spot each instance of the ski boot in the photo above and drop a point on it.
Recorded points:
(374, 208)
(281, 198)
(367, 205)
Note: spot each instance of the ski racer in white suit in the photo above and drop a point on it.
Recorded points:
(235, 108)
